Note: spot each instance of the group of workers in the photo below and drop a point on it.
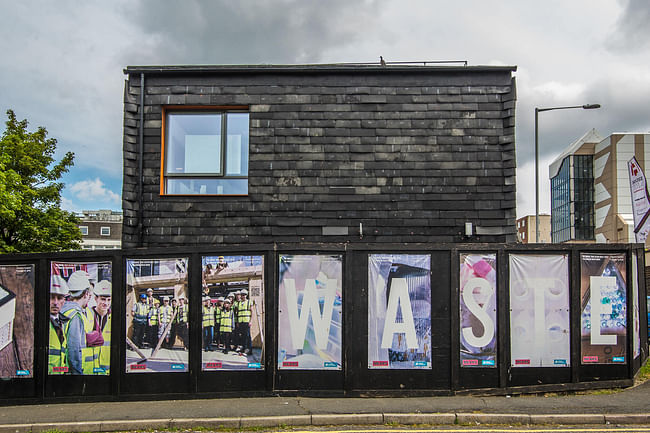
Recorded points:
(155, 324)
(80, 335)
(226, 325)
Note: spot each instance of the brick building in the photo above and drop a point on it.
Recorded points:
(100, 229)
(312, 153)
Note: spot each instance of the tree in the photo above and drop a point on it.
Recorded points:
(31, 219)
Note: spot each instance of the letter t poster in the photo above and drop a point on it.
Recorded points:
(399, 311)
(310, 316)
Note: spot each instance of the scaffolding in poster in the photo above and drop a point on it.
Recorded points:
(310, 319)
(157, 319)
(478, 311)
(603, 308)
(539, 310)
(399, 311)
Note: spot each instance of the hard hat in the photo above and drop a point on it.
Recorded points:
(78, 282)
(221, 257)
(227, 301)
(143, 296)
(103, 288)
(206, 298)
(165, 298)
(220, 299)
(230, 295)
(156, 302)
(58, 285)
(238, 292)
(150, 290)
(181, 297)
(244, 292)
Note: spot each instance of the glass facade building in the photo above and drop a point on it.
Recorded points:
(572, 200)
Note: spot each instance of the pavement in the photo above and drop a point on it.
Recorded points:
(624, 407)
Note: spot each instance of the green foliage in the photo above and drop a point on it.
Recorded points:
(31, 219)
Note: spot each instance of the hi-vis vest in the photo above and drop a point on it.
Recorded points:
(56, 354)
(166, 314)
(141, 312)
(226, 321)
(153, 316)
(103, 353)
(244, 311)
(217, 316)
(208, 316)
(181, 315)
(87, 353)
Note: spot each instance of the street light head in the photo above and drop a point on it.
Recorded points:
(591, 106)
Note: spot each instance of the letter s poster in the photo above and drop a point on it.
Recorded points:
(399, 311)
(478, 310)
(310, 316)
(603, 308)
(539, 310)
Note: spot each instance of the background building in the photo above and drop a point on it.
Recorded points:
(101, 229)
(590, 188)
(313, 153)
(526, 229)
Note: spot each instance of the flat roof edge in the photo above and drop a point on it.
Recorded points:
(316, 68)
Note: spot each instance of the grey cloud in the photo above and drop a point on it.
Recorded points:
(222, 32)
(632, 31)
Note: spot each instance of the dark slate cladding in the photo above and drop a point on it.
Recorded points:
(411, 153)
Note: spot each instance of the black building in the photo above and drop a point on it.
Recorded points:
(311, 153)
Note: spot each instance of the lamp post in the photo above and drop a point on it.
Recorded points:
(537, 111)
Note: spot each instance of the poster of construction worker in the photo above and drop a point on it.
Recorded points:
(310, 319)
(399, 311)
(16, 321)
(603, 308)
(232, 313)
(157, 315)
(539, 310)
(80, 318)
(478, 310)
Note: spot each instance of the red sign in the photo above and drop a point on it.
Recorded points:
(138, 366)
(589, 359)
(522, 361)
(380, 363)
(212, 365)
(470, 361)
(60, 369)
(290, 363)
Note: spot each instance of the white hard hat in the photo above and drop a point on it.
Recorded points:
(103, 288)
(78, 282)
(58, 285)
(244, 292)
(165, 298)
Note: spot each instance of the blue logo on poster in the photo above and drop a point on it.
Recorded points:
(618, 359)
(178, 366)
(22, 372)
(487, 362)
(330, 364)
(559, 361)
(421, 363)
(254, 365)
(99, 370)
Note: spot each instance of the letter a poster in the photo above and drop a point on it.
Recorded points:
(399, 311)
(310, 317)
(539, 310)
(603, 309)
(478, 310)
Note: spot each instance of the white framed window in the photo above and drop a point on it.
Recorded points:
(205, 152)
(84, 230)
(105, 231)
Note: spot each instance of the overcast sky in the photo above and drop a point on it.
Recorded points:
(61, 63)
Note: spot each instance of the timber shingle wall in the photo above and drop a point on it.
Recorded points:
(411, 154)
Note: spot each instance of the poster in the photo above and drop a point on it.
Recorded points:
(478, 310)
(157, 318)
(640, 200)
(636, 314)
(310, 318)
(603, 308)
(539, 311)
(232, 313)
(399, 311)
(16, 321)
(80, 318)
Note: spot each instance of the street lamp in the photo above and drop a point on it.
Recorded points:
(537, 111)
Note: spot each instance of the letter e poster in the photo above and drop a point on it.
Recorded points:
(603, 308)
(399, 311)
(478, 310)
(310, 318)
(539, 310)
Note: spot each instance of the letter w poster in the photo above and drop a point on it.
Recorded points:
(478, 310)
(310, 316)
(399, 311)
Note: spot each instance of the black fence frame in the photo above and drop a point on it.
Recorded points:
(446, 376)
